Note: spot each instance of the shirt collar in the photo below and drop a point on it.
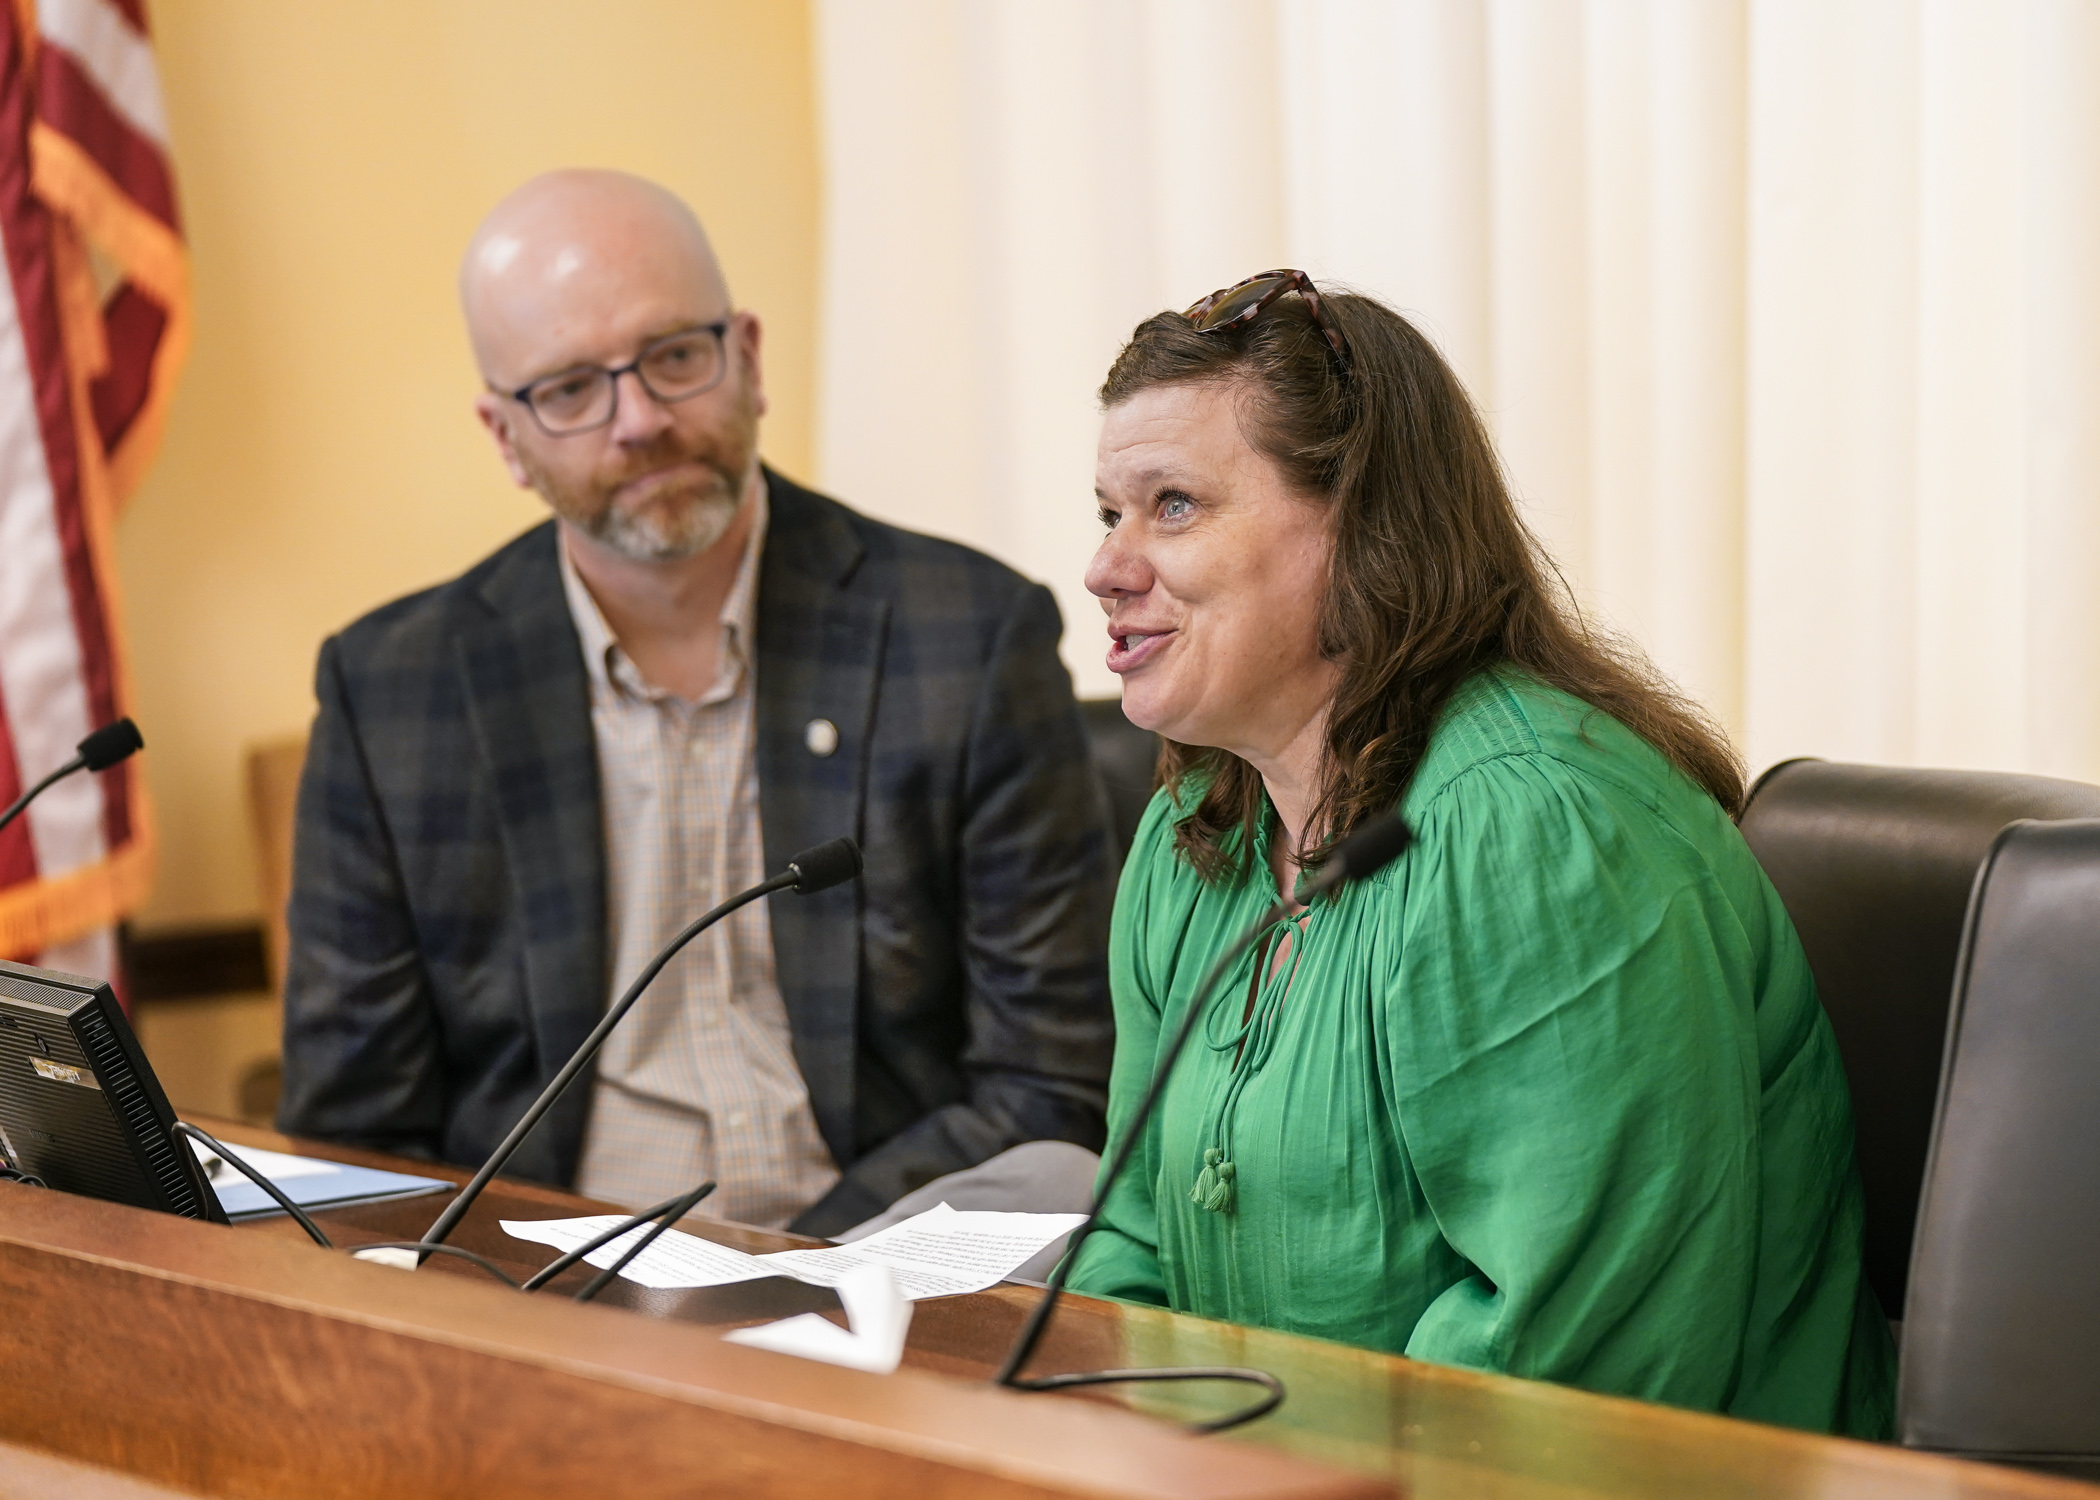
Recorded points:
(609, 667)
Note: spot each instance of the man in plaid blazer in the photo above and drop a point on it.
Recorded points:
(449, 912)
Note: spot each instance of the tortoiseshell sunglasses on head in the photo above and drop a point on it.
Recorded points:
(1241, 303)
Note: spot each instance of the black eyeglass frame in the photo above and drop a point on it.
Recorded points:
(1284, 280)
(719, 328)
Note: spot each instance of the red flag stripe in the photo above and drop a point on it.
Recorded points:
(26, 227)
(133, 11)
(17, 853)
(135, 323)
(114, 53)
(88, 170)
(69, 102)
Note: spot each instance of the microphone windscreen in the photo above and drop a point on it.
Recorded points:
(1372, 847)
(110, 744)
(825, 866)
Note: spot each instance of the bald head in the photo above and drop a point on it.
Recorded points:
(570, 254)
(583, 270)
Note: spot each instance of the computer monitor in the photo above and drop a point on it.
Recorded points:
(79, 1105)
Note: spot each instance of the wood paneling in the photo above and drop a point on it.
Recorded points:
(344, 1378)
(32, 1474)
(189, 963)
(244, 1364)
(273, 805)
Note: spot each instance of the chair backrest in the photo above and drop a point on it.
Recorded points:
(1125, 756)
(1875, 864)
(273, 796)
(2001, 1351)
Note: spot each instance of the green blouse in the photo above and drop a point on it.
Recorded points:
(1550, 1095)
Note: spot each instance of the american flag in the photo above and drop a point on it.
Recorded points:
(93, 326)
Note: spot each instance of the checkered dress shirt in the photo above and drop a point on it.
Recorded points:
(700, 1079)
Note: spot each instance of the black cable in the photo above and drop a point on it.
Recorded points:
(1032, 1331)
(480, 1260)
(226, 1155)
(102, 749)
(14, 808)
(562, 1263)
(671, 1210)
(670, 1216)
(27, 1179)
(457, 1209)
(1374, 845)
(1195, 1372)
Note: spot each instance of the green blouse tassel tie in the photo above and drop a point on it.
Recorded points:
(1216, 1189)
(1213, 1189)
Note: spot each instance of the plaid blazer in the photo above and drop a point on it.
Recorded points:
(448, 942)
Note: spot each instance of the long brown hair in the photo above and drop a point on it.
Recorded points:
(1434, 575)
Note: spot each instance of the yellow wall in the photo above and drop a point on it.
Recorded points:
(332, 158)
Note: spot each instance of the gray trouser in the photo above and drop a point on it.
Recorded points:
(1037, 1177)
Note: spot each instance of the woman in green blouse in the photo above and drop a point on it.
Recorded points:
(1550, 1095)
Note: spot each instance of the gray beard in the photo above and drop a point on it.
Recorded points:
(657, 535)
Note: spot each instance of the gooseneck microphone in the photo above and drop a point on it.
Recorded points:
(1374, 845)
(98, 752)
(812, 870)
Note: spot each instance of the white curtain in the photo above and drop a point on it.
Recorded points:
(1786, 313)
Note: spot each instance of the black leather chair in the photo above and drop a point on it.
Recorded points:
(2001, 1351)
(1125, 755)
(1875, 865)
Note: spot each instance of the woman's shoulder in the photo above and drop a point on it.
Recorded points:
(1154, 866)
(1522, 777)
(1162, 884)
(1154, 855)
(1506, 733)
(1160, 893)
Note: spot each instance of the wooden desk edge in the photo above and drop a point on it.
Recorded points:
(1826, 1465)
(1036, 1446)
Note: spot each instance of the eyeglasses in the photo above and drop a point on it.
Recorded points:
(676, 367)
(1241, 303)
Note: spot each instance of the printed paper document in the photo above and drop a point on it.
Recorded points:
(877, 1315)
(940, 1253)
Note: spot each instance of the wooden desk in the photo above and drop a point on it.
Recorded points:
(253, 1363)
